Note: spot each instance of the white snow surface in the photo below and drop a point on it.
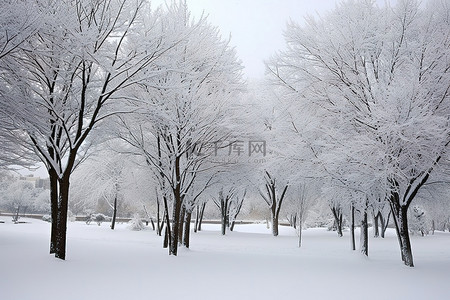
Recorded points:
(248, 263)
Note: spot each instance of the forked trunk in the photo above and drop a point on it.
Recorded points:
(399, 215)
(337, 214)
(405, 245)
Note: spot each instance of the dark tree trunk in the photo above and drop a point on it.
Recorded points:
(60, 248)
(232, 225)
(166, 236)
(364, 237)
(337, 214)
(352, 227)
(197, 211)
(16, 216)
(54, 208)
(178, 202)
(274, 225)
(187, 228)
(224, 212)
(273, 201)
(166, 218)
(200, 220)
(405, 244)
(384, 224)
(158, 218)
(153, 224)
(382, 229)
(181, 224)
(376, 232)
(399, 215)
(113, 221)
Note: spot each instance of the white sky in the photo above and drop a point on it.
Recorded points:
(256, 26)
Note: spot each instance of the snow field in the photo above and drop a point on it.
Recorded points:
(246, 264)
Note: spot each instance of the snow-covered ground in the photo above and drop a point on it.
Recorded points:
(246, 264)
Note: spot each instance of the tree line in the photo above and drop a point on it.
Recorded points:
(355, 111)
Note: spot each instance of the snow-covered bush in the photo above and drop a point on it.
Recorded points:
(136, 223)
(98, 218)
(418, 220)
(47, 218)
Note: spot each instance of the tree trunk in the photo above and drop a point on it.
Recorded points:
(352, 227)
(405, 245)
(399, 215)
(384, 224)
(113, 221)
(166, 236)
(300, 227)
(187, 229)
(60, 248)
(16, 216)
(274, 225)
(181, 224)
(54, 208)
(158, 218)
(337, 214)
(197, 211)
(202, 210)
(376, 232)
(232, 225)
(173, 242)
(364, 237)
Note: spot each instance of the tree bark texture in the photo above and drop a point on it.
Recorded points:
(364, 237)
(187, 228)
(352, 227)
(113, 221)
(60, 247)
(400, 217)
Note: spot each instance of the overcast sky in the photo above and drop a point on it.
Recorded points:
(256, 26)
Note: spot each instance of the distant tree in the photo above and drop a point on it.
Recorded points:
(419, 220)
(273, 195)
(19, 196)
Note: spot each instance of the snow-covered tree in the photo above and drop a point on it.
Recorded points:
(181, 112)
(67, 78)
(418, 220)
(376, 82)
